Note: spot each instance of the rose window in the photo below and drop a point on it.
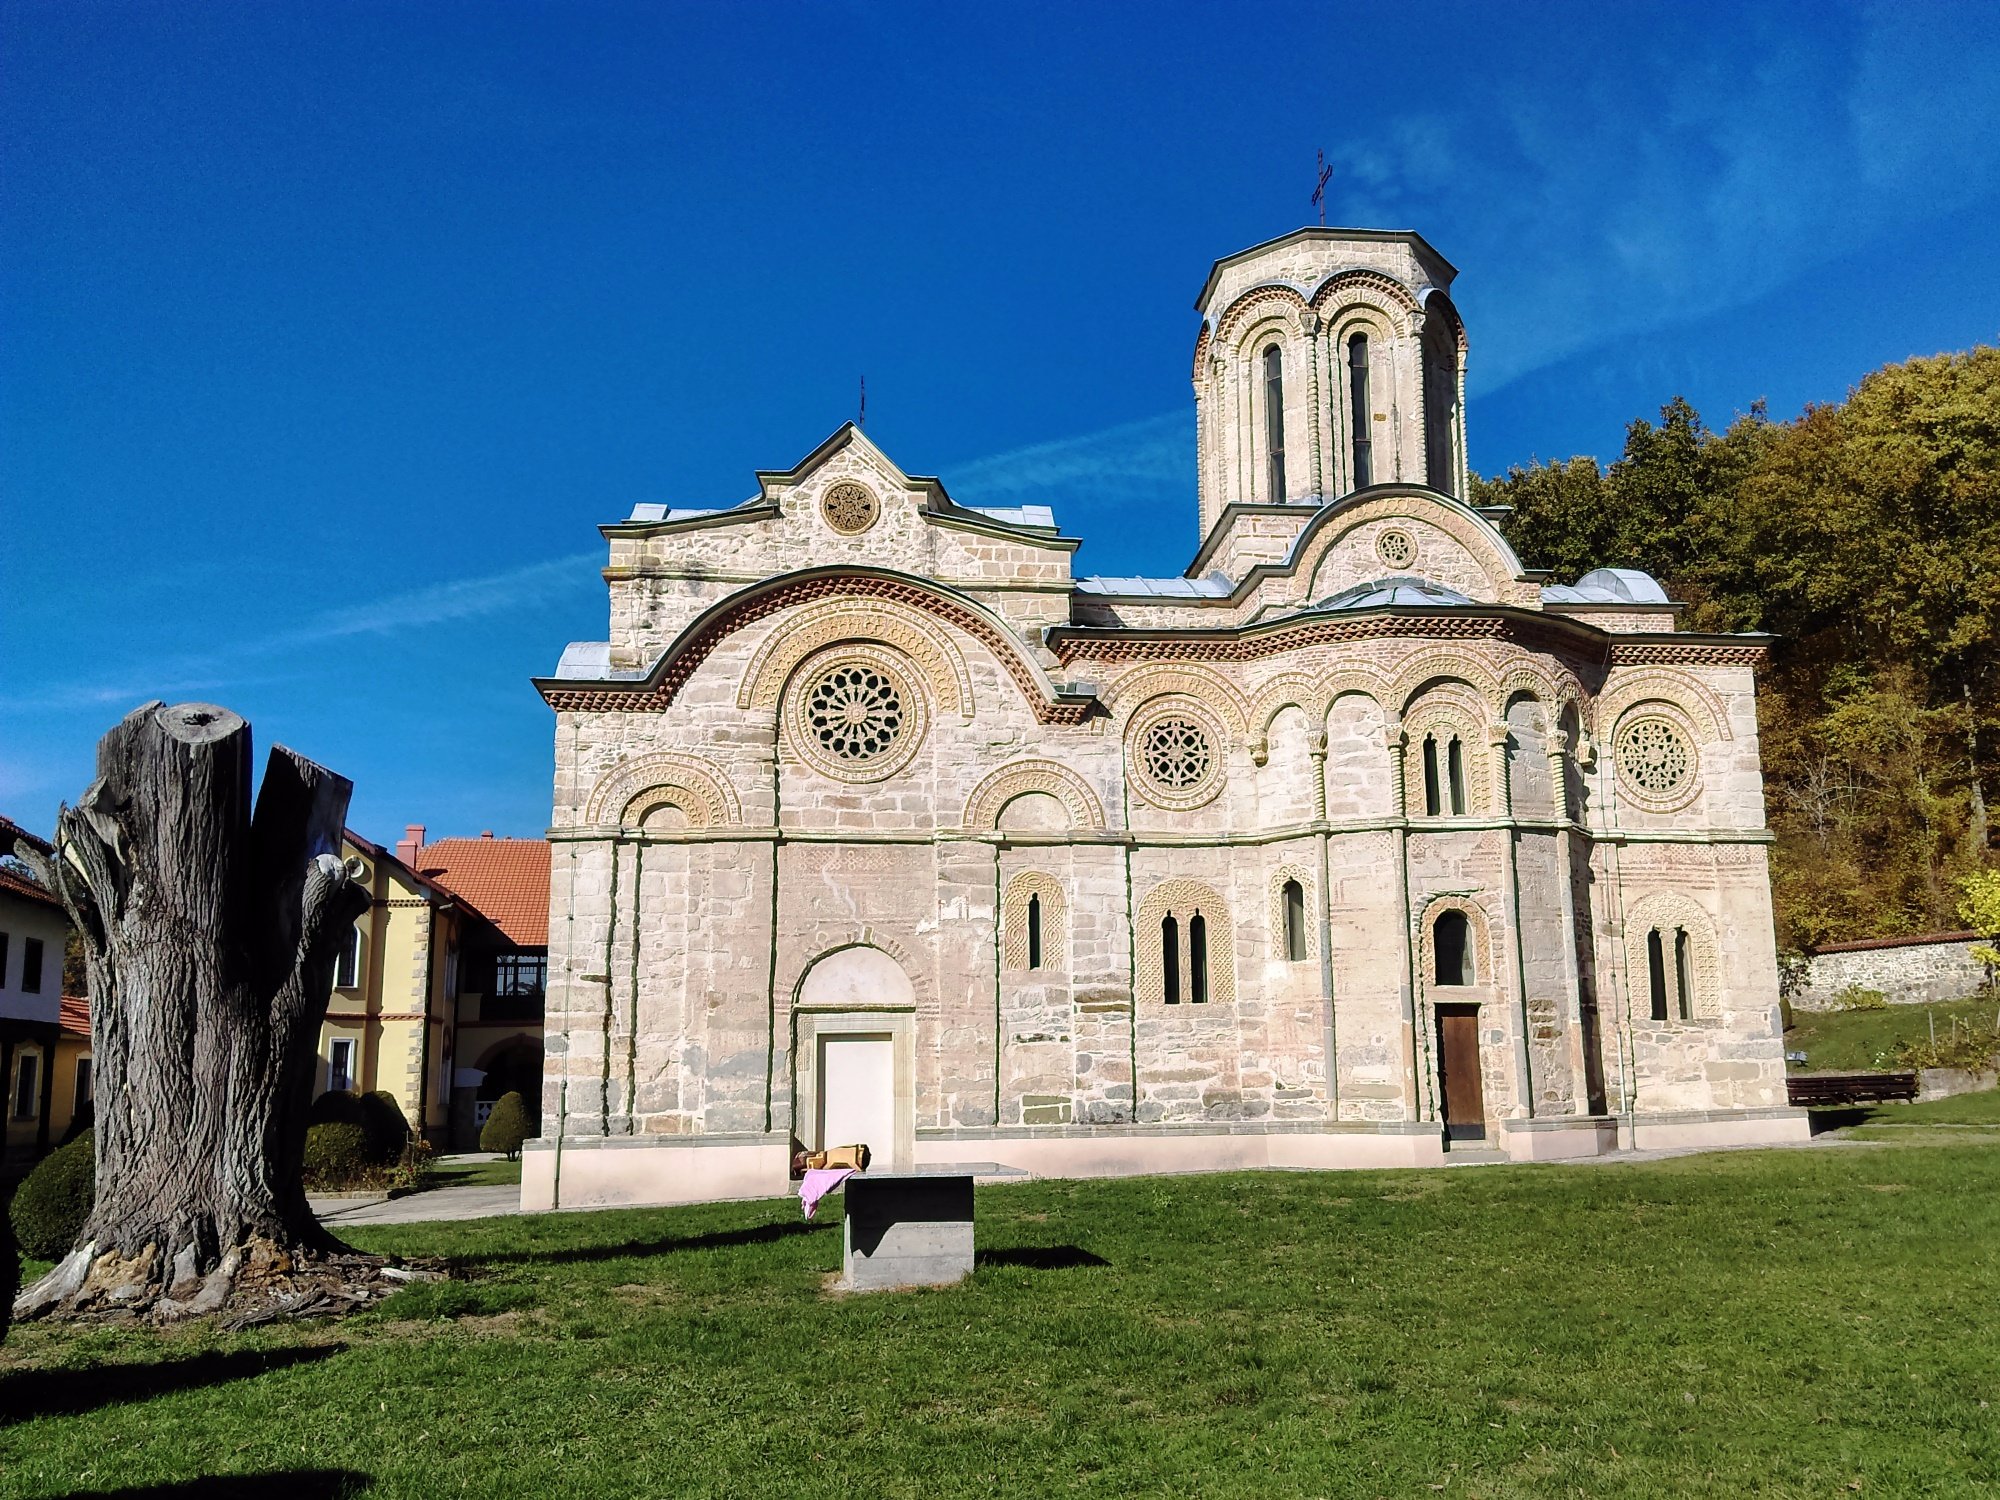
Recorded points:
(1396, 548)
(849, 508)
(855, 712)
(1177, 754)
(1655, 759)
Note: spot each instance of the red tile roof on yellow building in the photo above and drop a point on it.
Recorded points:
(505, 880)
(75, 1015)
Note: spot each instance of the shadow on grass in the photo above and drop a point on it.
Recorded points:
(283, 1484)
(721, 1239)
(1824, 1121)
(1040, 1257)
(27, 1394)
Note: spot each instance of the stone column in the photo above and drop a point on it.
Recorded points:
(1316, 748)
(1500, 741)
(1415, 1042)
(1558, 745)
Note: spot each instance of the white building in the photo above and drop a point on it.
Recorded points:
(1355, 845)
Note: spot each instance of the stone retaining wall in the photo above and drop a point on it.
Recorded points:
(1910, 971)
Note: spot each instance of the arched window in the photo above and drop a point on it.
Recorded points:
(1274, 418)
(1197, 959)
(1360, 409)
(1034, 932)
(1656, 974)
(1433, 803)
(1170, 959)
(1683, 964)
(1295, 921)
(1455, 766)
(1451, 938)
(1440, 358)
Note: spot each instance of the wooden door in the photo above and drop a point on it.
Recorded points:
(1458, 1070)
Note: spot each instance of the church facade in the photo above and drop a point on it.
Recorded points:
(1359, 844)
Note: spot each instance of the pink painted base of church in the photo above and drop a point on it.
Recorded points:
(596, 1173)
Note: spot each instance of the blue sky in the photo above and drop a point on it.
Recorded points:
(328, 333)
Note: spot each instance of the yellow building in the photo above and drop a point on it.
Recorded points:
(438, 996)
(389, 1020)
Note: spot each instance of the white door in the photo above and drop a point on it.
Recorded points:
(857, 1093)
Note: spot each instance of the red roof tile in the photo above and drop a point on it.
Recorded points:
(17, 883)
(12, 833)
(75, 1014)
(505, 880)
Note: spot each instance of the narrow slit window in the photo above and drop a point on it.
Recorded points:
(31, 966)
(1295, 921)
(1359, 410)
(1198, 959)
(1170, 959)
(1656, 974)
(1274, 417)
(1432, 803)
(1455, 765)
(1034, 932)
(1683, 958)
(1452, 939)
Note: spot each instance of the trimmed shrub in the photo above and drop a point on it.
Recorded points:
(507, 1127)
(1860, 997)
(337, 1155)
(51, 1205)
(10, 1273)
(335, 1107)
(378, 1116)
(382, 1120)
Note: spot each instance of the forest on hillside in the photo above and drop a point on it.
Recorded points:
(1864, 535)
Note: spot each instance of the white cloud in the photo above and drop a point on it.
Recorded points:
(1149, 458)
(250, 662)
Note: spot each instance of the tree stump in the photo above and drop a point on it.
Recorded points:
(210, 932)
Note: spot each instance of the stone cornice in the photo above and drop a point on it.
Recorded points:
(658, 688)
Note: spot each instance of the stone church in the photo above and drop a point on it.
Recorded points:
(1358, 844)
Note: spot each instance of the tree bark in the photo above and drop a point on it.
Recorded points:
(210, 932)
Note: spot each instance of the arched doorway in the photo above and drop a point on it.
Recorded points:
(854, 1056)
(513, 1067)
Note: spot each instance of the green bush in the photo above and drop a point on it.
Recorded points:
(337, 1156)
(378, 1116)
(1859, 997)
(10, 1273)
(507, 1127)
(51, 1205)
(388, 1132)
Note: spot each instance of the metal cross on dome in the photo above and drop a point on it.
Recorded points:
(1319, 188)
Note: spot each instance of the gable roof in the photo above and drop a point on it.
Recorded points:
(17, 883)
(505, 880)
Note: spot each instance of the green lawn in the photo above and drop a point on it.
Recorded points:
(501, 1173)
(1857, 1039)
(1801, 1323)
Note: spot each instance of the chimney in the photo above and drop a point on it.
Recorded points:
(411, 844)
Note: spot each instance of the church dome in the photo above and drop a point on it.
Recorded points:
(1386, 593)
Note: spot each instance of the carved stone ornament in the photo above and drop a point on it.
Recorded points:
(1396, 547)
(850, 508)
(1176, 756)
(1656, 762)
(856, 714)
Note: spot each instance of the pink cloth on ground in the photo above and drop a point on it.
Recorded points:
(818, 1183)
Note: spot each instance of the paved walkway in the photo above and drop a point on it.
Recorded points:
(420, 1208)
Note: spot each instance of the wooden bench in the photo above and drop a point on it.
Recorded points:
(1820, 1089)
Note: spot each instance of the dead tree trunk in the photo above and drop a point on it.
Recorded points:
(210, 932)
